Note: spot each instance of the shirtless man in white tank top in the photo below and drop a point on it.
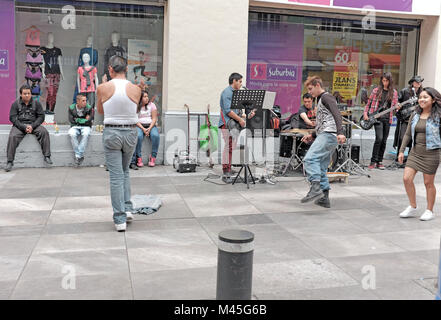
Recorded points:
(118, 100)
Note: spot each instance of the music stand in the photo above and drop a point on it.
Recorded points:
(248, 100)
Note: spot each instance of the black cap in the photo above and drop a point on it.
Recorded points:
(416, 78)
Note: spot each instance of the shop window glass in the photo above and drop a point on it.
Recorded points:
(62, 48)
(284, 50)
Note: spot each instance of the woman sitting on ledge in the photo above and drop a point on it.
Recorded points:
(148, 117)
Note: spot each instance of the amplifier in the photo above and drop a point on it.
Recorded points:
(355, 153)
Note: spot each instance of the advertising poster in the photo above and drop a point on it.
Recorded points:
(142, 61)
(275, 60)
(7, 61)
(345, 77)
(391, 5)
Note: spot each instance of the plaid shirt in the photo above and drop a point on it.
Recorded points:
(373, 103)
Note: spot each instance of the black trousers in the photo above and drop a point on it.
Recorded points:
(382, 128)
(401, 132)
(16, 136)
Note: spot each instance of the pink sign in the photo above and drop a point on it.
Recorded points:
(275, 61)
(7, 61)
(320, 2)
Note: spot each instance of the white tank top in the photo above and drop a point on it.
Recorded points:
(119, 109)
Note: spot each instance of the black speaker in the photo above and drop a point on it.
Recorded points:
(355, 153)
(286, 143)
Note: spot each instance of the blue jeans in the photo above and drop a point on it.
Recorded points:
(119, 144)
(79, 147)
(317, 159)
(154, 137)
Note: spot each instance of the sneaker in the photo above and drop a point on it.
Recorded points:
(139, 162)
(380, 166)
(8, 166)
(77, 161)
(371, 166)
(427, 215)
(48, 160)
(408, 212)
(129, 216)
(152, 161)
(80, 161)
(133, 166)
(121, 227)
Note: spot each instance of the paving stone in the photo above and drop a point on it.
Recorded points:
(11, 267)
(284, 277)
(102, 287)
(27, 218)
(96, 262)
(188, 284)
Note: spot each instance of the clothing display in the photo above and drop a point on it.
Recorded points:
(87, 78)
(110, 52)
(50, 56)
(53, 83)
(93, 54)
(33, 37)
(34, 60)
(33, 73)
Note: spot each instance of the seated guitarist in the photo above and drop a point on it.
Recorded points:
(382, 97)
(414, 88)
(235, 83)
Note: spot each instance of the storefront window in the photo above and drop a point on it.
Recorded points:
(284, 50)
(62, 48)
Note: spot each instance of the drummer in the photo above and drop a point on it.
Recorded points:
(307, 113)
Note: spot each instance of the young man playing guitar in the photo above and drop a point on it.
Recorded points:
(235, 83)
(413, 90)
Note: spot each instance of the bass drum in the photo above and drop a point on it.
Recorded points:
(334, 163)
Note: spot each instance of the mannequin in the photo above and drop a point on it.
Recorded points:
(93, 54)
(115, 49)
(52, 71)
(87, 79)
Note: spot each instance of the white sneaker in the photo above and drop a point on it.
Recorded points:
(129, 216)
(427, 215)
(409, 212)
(121, 227)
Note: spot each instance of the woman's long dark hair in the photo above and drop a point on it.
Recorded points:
(140, 100)
(390, 88)
(436, 107)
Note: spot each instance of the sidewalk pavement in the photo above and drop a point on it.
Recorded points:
(57, 223)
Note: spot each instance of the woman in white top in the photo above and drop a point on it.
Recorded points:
(147, 119)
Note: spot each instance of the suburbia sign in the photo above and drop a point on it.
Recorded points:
(263, 71)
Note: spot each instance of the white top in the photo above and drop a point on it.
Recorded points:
(119, 109)
(145, 115)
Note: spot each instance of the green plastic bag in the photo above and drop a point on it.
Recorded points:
(208, 138)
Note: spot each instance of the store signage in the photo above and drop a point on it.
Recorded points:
(388, 5)
(262, 71)
(277, 70)
(4, 60)
(7, 50)
(345, 77)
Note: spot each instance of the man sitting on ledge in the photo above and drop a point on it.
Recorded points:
(27, 116)
(80, 117)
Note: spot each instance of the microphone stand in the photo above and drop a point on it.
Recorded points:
(350, 165)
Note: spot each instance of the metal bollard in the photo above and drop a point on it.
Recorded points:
(438, 292)
(235, 265)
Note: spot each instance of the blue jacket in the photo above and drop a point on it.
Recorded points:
(433, 139)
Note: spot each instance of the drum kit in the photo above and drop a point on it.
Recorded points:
(341, 158)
